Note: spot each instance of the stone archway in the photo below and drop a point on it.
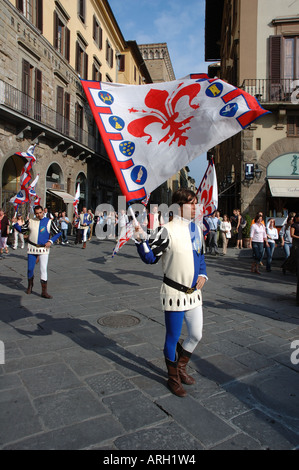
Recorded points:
(280, 147)
(11, 173)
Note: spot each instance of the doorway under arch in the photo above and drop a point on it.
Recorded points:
(11, 173)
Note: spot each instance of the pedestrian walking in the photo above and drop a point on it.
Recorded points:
(17, 235)
(64, 224)
(85, 221)
(272, 236)
(4, 231)
(258, 237)
(225, 230)
(212, 235)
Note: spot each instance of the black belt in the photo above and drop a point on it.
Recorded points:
(177, 286)
(37, 246)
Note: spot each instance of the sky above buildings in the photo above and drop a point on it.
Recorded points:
(179, 23)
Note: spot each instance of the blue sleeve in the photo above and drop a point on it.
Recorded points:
(22, 228)
(202, 266)
(148, 258)
(18, 227)
(55, 237)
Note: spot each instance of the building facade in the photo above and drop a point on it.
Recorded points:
(257, 45)
(45, 47)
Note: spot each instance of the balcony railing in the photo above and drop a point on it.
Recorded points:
(27, 107)
(266, 91)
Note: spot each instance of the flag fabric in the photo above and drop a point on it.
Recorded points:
(207, 194)
(128, 235)
(76, 199)
(27, 191)
(34, 200)
(152, 131)
(21, 198)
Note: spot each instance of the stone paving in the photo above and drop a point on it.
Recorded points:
(85, 370)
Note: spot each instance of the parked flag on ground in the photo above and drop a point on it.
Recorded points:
(152, 131)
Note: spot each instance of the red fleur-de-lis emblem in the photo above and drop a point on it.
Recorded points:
(162, 109)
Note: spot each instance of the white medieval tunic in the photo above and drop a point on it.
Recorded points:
(40, 232)
(180, 245)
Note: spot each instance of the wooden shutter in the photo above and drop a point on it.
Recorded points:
(82, 10)
(38, 86)
(77, 57)
(59, 108)
(26, 86)
(122, 63)
(55, 39)
(94, 28)
(67, 43)
(85, 66)
(20, 5)
(275, 58)
(26, 77)
(100, 38)
(39, 15)
(275, 88)
(38, 94)
(67, 112)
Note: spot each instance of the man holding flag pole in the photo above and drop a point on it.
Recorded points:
(150, 132)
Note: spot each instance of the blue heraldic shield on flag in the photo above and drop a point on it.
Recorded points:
(152, 131)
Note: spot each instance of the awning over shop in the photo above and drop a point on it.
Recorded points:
(284, 187)
(67, 198)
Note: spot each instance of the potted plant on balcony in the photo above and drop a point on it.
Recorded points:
(246, 231)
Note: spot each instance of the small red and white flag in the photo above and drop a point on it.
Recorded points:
(76, 199)
(207, 193)
(128, 235)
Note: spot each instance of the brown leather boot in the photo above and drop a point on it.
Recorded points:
(84, 245)
(183, 359)
(30, 285)
(174, 381)
(44, 290)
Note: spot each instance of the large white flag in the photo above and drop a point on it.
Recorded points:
(152, 131)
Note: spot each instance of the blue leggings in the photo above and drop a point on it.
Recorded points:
(43, 263)
(174, 323)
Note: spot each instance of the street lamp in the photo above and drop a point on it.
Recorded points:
(257, 172)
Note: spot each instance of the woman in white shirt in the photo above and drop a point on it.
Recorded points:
(272, 235)
(257, 238)
(225, 229)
